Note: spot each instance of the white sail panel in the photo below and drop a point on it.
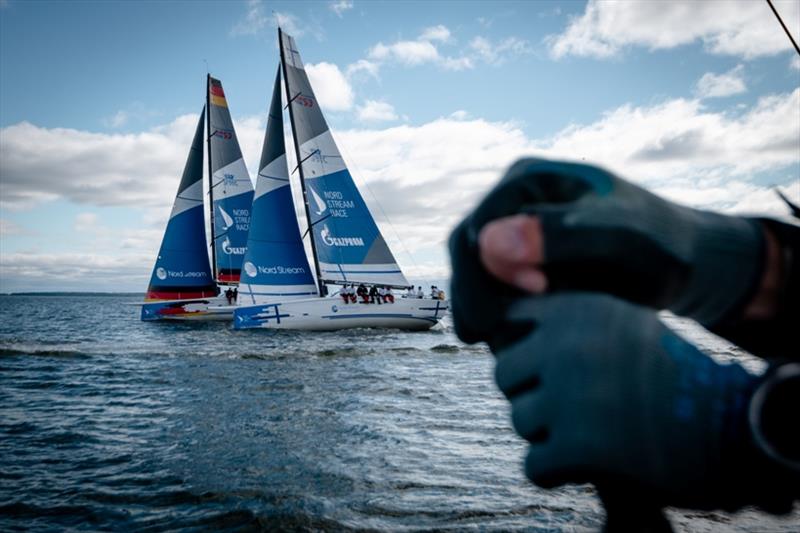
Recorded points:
(345, 233)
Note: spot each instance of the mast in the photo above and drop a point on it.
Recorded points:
(320, 284)
(213, 238)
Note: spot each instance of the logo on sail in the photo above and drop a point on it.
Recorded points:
(329, 240)
(321, 205)
(232, 250)
(305, 101)
(224, 134)
(226, 218)
(250, 269)
(161, 273)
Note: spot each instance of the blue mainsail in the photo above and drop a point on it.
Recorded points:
(348, 244)
(182, 269)
(275, 265)
(231, 188)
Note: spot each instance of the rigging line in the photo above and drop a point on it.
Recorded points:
(314, 224)
(383, 212)
(788, 34)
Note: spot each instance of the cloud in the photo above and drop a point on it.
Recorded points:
(420, 51)
(436, 33)
(425, 49)
(498, 53)
(407, 52)
(70, 271)
(256, 19)
(678, 145)
(40, 164)
(331, 86)
(9, 228)
(119, 119)
(363, 65)
(795, 63)
(85, 222)
(725, 27)
(678, 148)
(719, 85)
(340, 6)
(375, 111)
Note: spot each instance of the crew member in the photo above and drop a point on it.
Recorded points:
(621, 401)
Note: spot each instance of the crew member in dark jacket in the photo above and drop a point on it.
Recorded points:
(562, 270)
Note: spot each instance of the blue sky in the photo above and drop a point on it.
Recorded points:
(429, 101)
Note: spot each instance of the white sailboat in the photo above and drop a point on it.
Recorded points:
(184, 285)
(277, 289)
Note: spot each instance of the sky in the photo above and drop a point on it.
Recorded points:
(429, 102)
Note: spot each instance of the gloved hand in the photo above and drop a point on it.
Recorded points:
(604, 234)
(607, 394)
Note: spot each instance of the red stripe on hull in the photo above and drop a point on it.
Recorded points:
(157, 295)
(228, 278)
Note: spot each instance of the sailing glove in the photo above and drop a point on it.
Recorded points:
(602, 233)
(606, 394)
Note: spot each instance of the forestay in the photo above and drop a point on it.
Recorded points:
(348, 243)
(182, 270)
(231, 189)
(275, 264)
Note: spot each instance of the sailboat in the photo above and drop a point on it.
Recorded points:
(184, 285)
(347, 247)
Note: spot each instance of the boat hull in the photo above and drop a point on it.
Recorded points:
(206, 309)
(331, 314)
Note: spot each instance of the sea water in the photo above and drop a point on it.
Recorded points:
(109, 423)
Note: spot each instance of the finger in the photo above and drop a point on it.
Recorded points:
(513, 239)
(544, 465)
(511, 249)
(519, 366)
(530, 415)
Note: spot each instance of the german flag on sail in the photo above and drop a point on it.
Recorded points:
(216, 94)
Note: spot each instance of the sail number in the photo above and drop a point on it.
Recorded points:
(305, 101)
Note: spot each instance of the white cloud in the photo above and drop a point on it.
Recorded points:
(725, 27)
(340, 6)
(678, 146)
(41, 164)
(420, 51)
(407, 52)
(376, 111)
(719, 85)
(70, 271)
(119, 119)
(436, 33)
(331, 86)
(254, 20)
(795, 62)
(425, 49)
(424, 177)
(363, 65)
(85, 222)
(257, 19)
(498, 53)
(9, 228)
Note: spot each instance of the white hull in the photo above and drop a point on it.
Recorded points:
(206, 309)
(331, 313)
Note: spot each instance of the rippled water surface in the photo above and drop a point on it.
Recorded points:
(110, 423)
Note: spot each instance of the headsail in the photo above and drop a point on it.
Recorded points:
(231, 188)
(348, 244)
(275, 264)
(182, 270)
